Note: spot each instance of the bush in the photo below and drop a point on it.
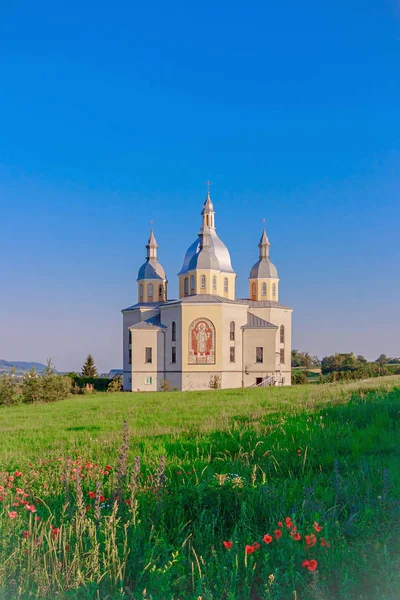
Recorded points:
(8, 390)
(299, 378)
(215, 382)
(115, 384)
(48, 387)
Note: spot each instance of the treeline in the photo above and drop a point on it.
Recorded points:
(50, 386)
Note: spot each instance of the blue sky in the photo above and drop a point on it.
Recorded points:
(115, 114)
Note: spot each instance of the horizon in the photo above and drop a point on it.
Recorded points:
(117, 118)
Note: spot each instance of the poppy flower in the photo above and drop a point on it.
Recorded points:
(37, 518)
(325, 543)
(256, 546)
(267, 538)
(92, 494)
(280, 524)
(312, 565)
(12, 514)
(26, 534)
(310, 540)
(228, 545)
(17, 474)
(296, 537)
(250, 549)
(317, 527)
(288, 522)
(102, 498)
(54, 532)
(277, 534)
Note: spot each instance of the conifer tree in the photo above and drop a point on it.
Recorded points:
(89, 368)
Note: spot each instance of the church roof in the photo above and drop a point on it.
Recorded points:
(262, 303)
(151, 269)
(143, 305)
(263, 268)
(151, 323)
(254, 322)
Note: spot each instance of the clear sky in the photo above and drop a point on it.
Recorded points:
(115, 113)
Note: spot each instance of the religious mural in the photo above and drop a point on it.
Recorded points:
(201, 342)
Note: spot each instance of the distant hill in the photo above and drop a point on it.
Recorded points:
(20, 366)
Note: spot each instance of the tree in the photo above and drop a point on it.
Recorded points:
(8, 389)
(361, 359)
(89, 368)
(382, 360)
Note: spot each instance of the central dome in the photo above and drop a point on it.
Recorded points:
(220, 255)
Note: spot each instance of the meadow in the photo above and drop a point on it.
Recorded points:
(280, 493)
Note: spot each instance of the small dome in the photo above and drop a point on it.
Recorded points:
(216, 247)
(204, 260)
(151, 269)
(263, 269)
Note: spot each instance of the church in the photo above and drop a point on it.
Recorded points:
(208, 337)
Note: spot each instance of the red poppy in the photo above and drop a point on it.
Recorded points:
(27, 534)
(92, 494)
(267, 538)
(277, 534)
(228, 545)
(288, 522)
(296, 537)
(310, 540)
(179, 472)
(108, 468)
(12, 514)
(37, 518)
(102, 498)
(312, 565)
(250, 549)
(54, 532)
(325, 543)
(317, 527)
(256, 546)
(17, 474)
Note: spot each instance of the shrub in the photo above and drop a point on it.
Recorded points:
(115, 384)
(8, 390)
(49, 387)
(215, 382)
(299, 378)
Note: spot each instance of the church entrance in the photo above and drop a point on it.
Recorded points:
(259, 380)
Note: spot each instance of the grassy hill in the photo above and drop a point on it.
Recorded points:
(314, 468)
(19, 366)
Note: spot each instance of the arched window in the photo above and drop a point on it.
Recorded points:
(203, 281)
(207, 220)
(160, 292)
(274, 290)
(150, 290)
(282, 332)
(264, 289)
(232, 331)
(253, 290)
(192, 283)
(214, 282)
(226, 284)
(186, 286)
(173, 331)
(141, 291)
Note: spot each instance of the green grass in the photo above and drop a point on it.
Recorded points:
(237, 463)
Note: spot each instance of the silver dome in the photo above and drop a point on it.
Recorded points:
(263, 269)
(151, 269)
(216, 248)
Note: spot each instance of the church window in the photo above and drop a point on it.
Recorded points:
(282, 334)
(232, 331)
(173, 331)
(253, 291)
(201, 348)
(264, 289)
(150, 290)
(149, 355)
(141, 291)
(259, 354)
(192, 283)
(214, 282)
(173, 354)
(186, 286)
(160, 292)
(130, 356)
(226, 284)
(203, 281)
(130, 337)
(274, 290)
(207, 220)
(282, 356)
(232, 354)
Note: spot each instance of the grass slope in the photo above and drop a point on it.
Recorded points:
(238, 463)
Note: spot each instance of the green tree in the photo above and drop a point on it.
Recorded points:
(382, 360)
(89, 368)
(8, 389)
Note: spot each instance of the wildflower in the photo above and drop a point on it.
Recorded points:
(54, 532)
(277, 534)
(228, 545)
(288, 522)
(12, 514)
(92, 494)
(267, 538)
(179, 472)
(102, 498)
(37, 518)
(310, 564)
(15, 503)
(26, 534)
(299, 452)
(249, 549)
(108, 468)
(30, 507)
(325, 543)
(317, 527)
(296, 537)
(67, 547)
(280, 524)
(310, 540)
(17, 474)
(256, 546)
